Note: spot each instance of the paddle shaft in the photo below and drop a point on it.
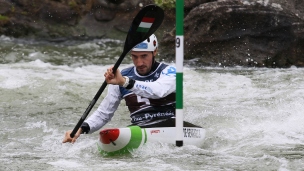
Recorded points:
(96, 97)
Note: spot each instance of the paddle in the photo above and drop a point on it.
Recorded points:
(139, 31)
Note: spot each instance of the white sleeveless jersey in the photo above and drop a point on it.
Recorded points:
(152, 97)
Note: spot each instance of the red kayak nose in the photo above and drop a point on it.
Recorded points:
(108, 136)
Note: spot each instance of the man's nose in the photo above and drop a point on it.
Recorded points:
(139, 62)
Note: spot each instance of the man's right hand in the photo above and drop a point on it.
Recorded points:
(68, 138)
(114, 78)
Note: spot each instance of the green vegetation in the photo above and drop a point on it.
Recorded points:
(166, 4)
(13, 9)
(24, 13)
(3, 18)
(72, 4)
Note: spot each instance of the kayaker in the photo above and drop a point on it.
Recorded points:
(148, 88)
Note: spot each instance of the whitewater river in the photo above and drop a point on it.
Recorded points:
(254, 117)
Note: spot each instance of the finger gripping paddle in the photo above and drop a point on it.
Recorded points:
(145, 23)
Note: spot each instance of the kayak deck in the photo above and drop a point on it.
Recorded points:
(121, 140)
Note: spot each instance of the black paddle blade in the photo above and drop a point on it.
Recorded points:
(144, 25)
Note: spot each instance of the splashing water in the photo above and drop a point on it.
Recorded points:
(253, 116)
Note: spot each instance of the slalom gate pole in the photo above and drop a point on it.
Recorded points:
(179, 57)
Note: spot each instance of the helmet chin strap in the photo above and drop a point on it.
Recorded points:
(154, 63)
(153, 60)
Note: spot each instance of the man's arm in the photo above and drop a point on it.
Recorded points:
(100, 117)
(106, 109)
(163, 86)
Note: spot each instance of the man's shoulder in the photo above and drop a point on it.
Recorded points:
(169, 70)
(127, 71)
(163, 66)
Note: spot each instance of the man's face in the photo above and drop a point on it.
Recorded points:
(142, 61)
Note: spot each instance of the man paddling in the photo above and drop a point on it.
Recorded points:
(148, 88)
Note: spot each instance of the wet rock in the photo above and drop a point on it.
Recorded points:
(5, 7)
(56, 12)
(104, 14)
(190, 4)
(231, 33)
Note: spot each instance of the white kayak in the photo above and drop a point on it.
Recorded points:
(122, 140)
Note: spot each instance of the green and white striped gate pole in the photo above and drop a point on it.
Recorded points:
(179, 57)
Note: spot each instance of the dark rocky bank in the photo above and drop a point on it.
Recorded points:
(255, 33)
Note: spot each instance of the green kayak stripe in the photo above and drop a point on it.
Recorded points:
(135, 141)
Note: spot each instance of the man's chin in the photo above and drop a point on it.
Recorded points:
(142, 71)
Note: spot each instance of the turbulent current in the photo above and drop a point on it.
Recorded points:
(253, 117)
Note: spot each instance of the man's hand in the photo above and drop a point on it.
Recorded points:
(116, 79)
(68, 138)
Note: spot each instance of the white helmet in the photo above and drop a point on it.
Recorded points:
(148, 45)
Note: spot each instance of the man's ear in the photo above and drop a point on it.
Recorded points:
(155, 52)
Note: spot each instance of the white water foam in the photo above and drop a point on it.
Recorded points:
(253, 119)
